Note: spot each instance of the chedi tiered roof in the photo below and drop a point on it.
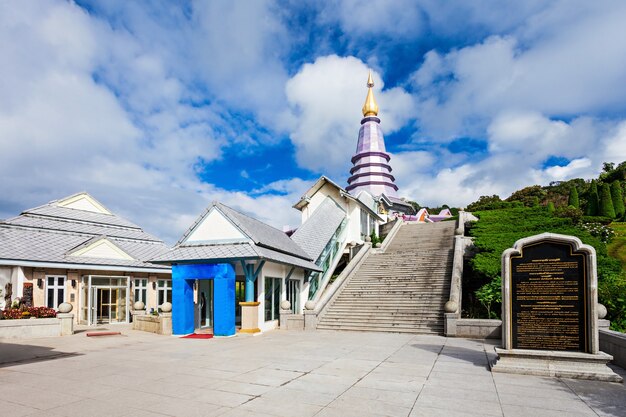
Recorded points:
(371, 171)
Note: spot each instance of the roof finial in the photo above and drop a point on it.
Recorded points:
(370, 108)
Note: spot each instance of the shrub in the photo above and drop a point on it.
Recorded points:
(606, 202)
(28, 312)
(573, 198)
(601, 231)
(593, 204)
(596, 219)
(618, 198)
(569, 212)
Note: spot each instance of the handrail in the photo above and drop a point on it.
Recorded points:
(328, 273)
(336, 286)
(454, 304)
(456, 280)
(460, 224)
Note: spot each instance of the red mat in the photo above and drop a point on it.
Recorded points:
(198, 336)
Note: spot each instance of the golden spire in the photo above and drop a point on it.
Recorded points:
(370, 108)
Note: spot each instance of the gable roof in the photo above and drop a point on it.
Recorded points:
(260, 233)
(52, 234)
(304, 200)
(316, 232)
(266, 242)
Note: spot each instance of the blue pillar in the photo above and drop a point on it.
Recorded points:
(182, 302)
(249, 270)
(223, 297)
(224, 300)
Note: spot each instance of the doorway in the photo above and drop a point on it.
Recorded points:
(108, 305)
(205, 303)
(104, 300)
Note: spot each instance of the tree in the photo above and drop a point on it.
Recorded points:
(593, 204)
(527, 195)
(618, 198)
(573, 198)
(606, 203)
(486, 202)
(551, 207)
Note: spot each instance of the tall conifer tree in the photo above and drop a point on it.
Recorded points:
(606, 203)
(618, 198)
(573, 198)
(593, 204)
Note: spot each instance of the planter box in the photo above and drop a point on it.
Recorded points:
(29, 328)
(161, 324)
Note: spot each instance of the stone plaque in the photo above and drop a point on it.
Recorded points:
(549, 303)
(548, 298)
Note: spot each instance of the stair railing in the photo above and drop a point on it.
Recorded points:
(452, 309)
(313, 315)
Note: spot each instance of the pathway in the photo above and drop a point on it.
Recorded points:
(323, 373)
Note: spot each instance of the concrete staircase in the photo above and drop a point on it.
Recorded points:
(402, 290)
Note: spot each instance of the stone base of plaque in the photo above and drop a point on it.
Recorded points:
(555, 364)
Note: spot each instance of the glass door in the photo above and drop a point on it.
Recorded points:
(107, 299)
(240, 296)
(108, 305)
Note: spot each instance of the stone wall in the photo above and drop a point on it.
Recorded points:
(290, 321)
(384, 229)
(614, 343)
(478, 328)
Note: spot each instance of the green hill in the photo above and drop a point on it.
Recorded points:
(537, 209)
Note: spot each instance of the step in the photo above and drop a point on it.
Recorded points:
(419, 330)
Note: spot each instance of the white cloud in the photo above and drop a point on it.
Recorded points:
(326, 98)
(576, 69)
(90, 107)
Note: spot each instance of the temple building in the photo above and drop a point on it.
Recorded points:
(371, 171)
(77, 251)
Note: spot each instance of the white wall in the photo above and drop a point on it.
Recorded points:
(215, 227)
(274, 270)
(5, 278)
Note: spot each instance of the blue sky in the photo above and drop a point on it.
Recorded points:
(158, 108)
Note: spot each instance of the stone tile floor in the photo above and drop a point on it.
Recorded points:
(279, 373)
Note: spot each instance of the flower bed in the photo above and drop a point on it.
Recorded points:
(27, 312)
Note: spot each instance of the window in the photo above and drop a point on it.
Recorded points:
(364, 224)
(272, 298)
(164, 291)
(141, 286)
(293, 294)
(55, 291)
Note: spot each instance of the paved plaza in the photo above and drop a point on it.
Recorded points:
(323, 373)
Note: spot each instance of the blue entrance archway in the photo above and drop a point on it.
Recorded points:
(223, 276)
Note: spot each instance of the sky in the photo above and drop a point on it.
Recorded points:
(159, 108)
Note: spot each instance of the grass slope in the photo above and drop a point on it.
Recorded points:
(617, 247)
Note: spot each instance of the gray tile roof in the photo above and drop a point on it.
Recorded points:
(18, 243)
(262, 234)
(50, 233)
(51, 223)
(315, 233)
(51, 210)
(208, 252)
(230, 251)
